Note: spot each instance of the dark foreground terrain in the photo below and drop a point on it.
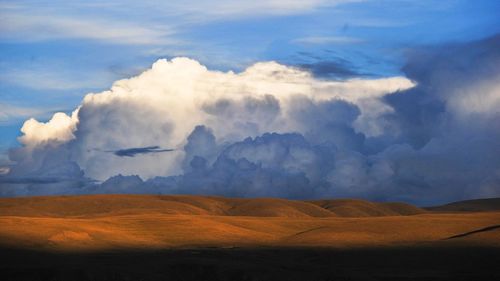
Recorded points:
(423, 263)
(80, 238)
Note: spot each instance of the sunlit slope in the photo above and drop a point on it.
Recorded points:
(165, 231)
(99, 205)
(133, 221)
(362, 208)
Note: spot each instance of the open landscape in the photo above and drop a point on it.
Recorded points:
(102, 222)
(253, 140)
(249, 237)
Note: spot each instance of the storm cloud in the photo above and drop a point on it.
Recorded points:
(275, 130)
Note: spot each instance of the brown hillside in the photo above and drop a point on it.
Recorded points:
(477, 205)
(151, 221)
(267, 207)
(362, 208)
(101, 205)
(158, 231)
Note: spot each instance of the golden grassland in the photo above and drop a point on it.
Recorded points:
(101, 222)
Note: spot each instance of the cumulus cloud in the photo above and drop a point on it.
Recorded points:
(202, 145)
(59, 128)
(283, 165)
(43, 169)
(274, 130)
(164, 104)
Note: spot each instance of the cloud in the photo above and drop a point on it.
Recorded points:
(10, 112)
(122, 184)
(201, 147)
(331, 69)
(458, 91)
(276, 130)
(58, 129)
(322, 40)
(224, 9)
(122, 22)
(37, 180)
(280, 165)
(26, 27)
(165, 103)
(43, 169)
(40, 77)
(450, 120)
(132, 152)
(4, 170)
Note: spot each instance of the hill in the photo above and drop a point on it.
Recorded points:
(97, 222)
(105, 205)
(476, 205)
(363, 208)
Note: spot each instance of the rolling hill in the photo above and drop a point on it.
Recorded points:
(476, 205)
(104, 205)
(96, 222)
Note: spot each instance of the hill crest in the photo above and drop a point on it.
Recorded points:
(100, 205)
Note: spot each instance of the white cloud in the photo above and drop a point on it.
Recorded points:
(58, 129)
(435, 141)
(164, 104)
(4, 170)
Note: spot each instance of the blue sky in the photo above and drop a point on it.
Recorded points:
(52, 53)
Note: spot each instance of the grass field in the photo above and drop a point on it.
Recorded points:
(213, 233)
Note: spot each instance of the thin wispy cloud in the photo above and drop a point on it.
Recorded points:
(227, 9)
(327, 40)
(10, 112)
(25, 22)
(53, 79)
(29, 28)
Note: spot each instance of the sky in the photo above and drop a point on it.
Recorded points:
(384, 100)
